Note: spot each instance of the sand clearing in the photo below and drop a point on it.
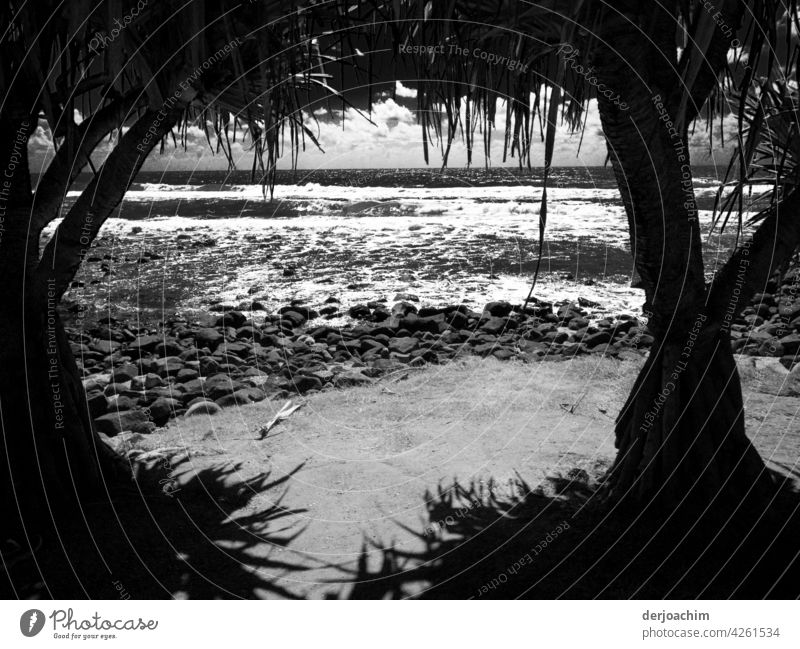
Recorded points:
(369, 454)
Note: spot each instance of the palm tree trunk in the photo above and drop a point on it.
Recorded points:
(51, 456)
(680, 436)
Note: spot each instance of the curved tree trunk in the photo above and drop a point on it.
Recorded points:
(680, 436)
(51, 456)
(38, 399)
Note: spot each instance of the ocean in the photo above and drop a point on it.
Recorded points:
(183, 242)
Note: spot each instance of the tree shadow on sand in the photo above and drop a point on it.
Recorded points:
(559, 541)
(149, 542)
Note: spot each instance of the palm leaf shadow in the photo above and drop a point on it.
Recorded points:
(211, 539)
(560, 540)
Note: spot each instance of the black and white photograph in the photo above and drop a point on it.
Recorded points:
(400, 300)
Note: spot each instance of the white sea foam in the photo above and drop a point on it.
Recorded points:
(443, 244)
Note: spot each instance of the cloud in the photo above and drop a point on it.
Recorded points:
(402, 91)
(391, 137)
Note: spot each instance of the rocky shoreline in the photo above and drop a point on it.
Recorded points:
(139, 379)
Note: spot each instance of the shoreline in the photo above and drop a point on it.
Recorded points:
(137, 379)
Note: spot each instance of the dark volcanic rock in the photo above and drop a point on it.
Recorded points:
(97, 403)
(208, 338)
(402, 309)
(124, 373)
(186, 374)
(113, 423)
(144, 344)
(359, 312)
(790, 344)
(146, 382)
(233, 319)
(300, 383)
(599, 338)
(498, 325)
(163, 409)
(403, 345)
(105, 347)
(498, 309)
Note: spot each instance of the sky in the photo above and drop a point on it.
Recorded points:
(393, 139)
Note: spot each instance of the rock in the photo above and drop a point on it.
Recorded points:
(405, 297)
(203, 408)
(457, 320)
(790, 344)
(124, 373)
(168, 347)
(498, 309)
(208, 337)
(359, 312)
(146, 382)
(186, 374)
(403, 345)
(385, 365)
(233, 319)
(254, 371)
(771, 348)
(402, 309)
(168, 366)
(208, 366)
(123, 442)
(381, 314)
(121, 402)
(350, 378)
(293, 318)
(568, 311)
(116, 388)
(588, 304)
(97, 404)
(219, 386)
(573, 349)
(503, 354)
(578, 323)
(144, 344)
(412, 322)
(599, 338)
(484, 349)
(240, 349)
(113, 423)
(300, 383)
(248, 333)
(498, 325)
(254, 394)
(105, 347)
(163, 409)
(304, 312)
(238, 398)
